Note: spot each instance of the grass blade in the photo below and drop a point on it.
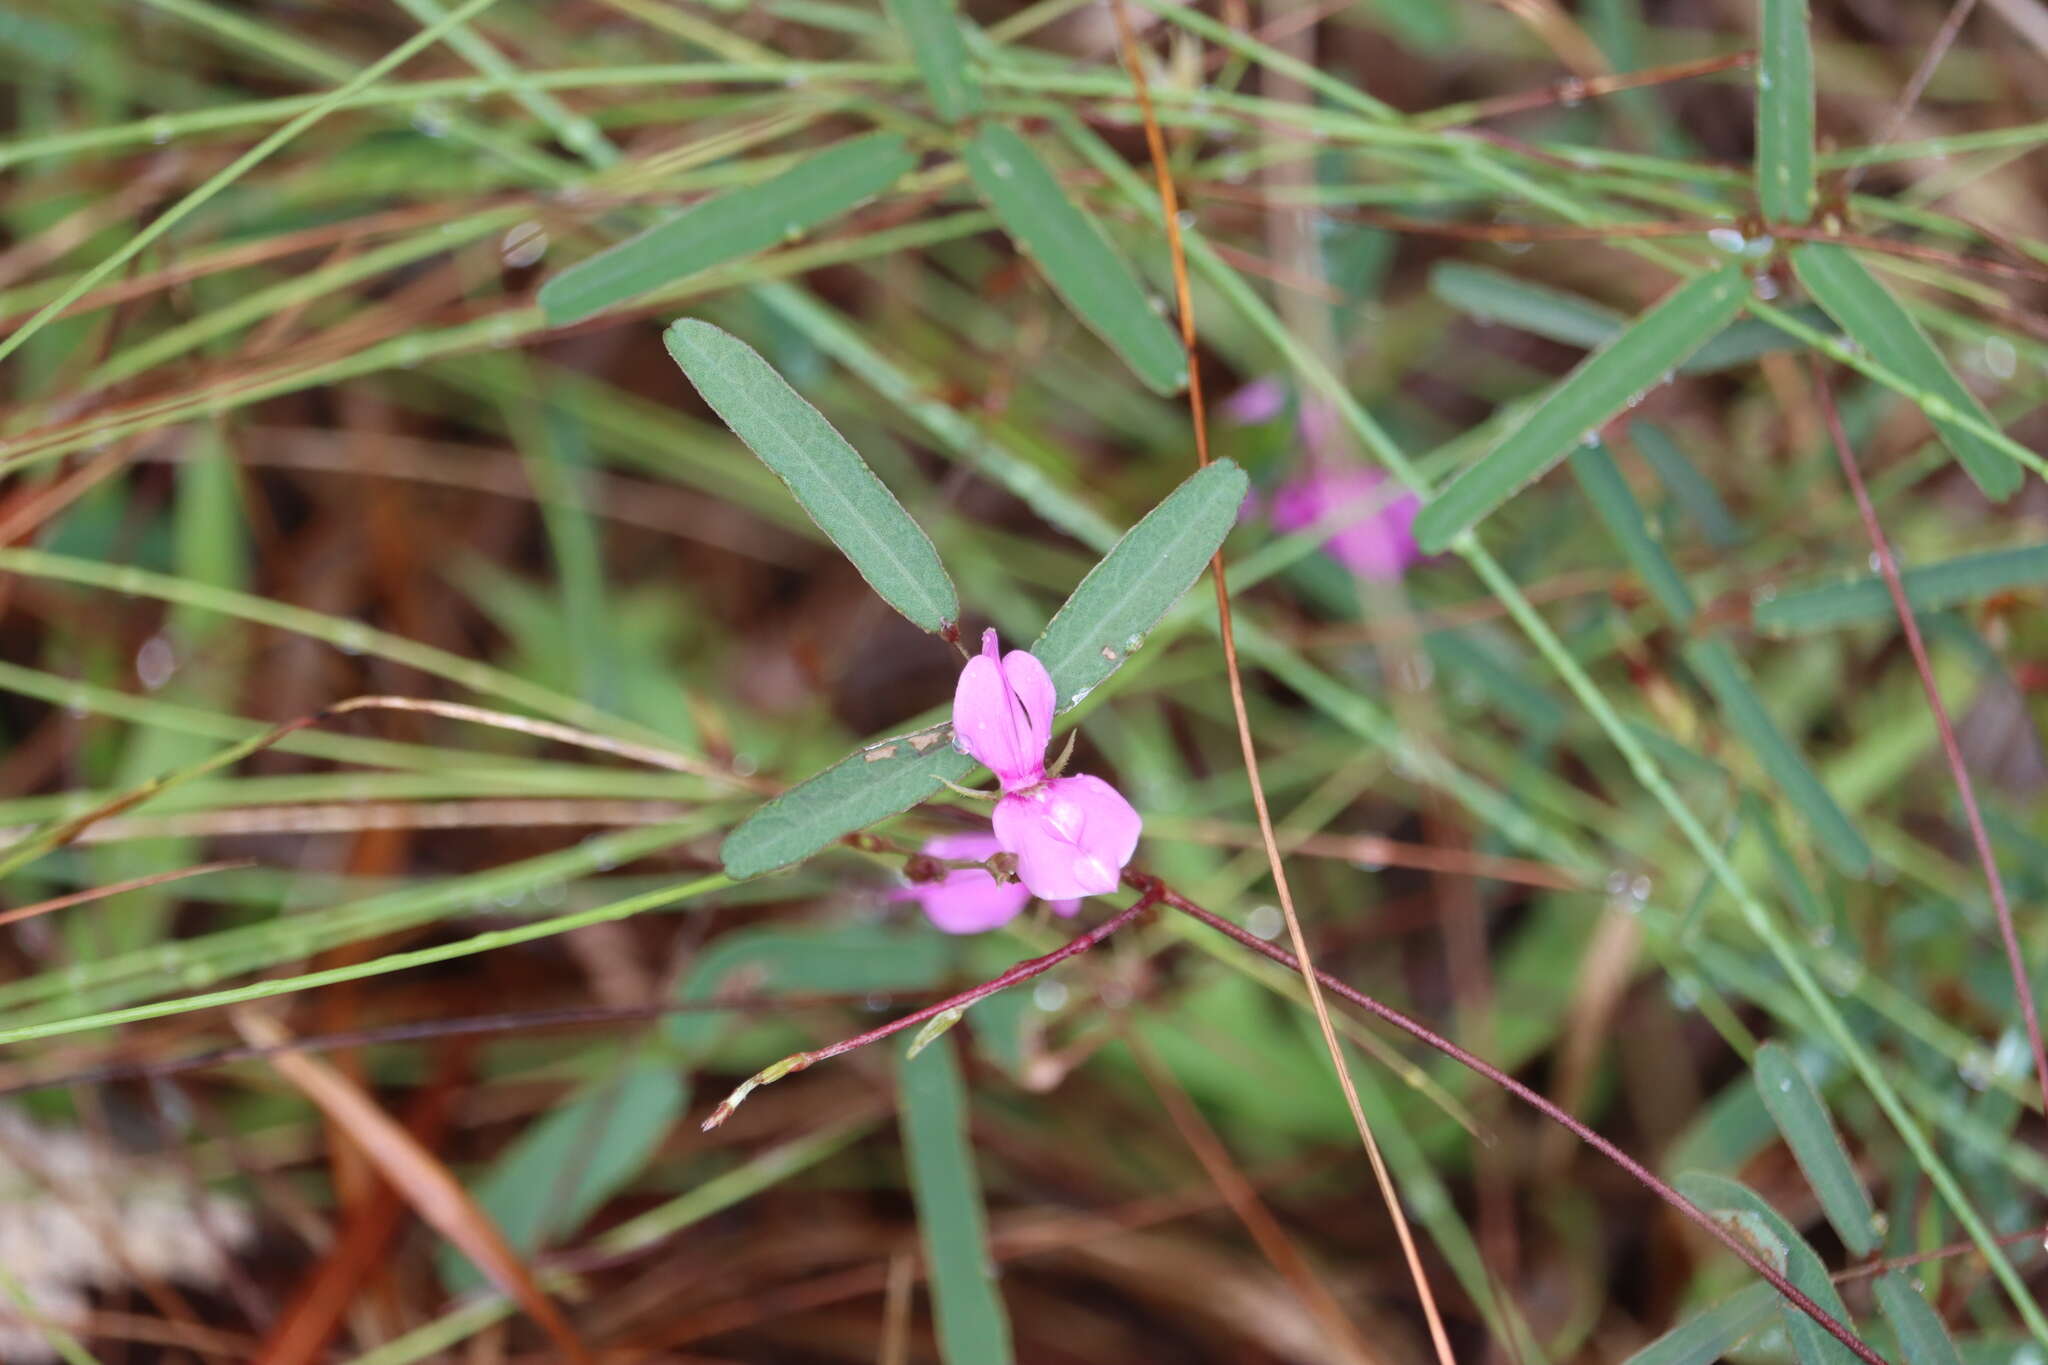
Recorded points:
(1707, 1336)
(872, 784)
(1494, 296)
(1608, 491)
(731, 225)
(826, 474)
(1877, 322)
(1583, 401)
(1718, 668)
(1105, 619)
(1930, 587)
(1689, 488)
(932, 28)
(1784, 113)
(1078, 260)
(1802, 1116)
(1922, 1338)
(972, 1326)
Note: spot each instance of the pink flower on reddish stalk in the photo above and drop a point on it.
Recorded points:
(967, 900)
(1071, 835)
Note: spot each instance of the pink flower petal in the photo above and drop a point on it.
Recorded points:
(1372, 520)
(1259, 401)
(967, 900)
(1072, 836)
(1002, 713)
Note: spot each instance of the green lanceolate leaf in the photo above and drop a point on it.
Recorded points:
(1718, 668)
(1922, 1338)
(1878, 323)
(933, 30)
(1076, 257)
(1143, 574)
(729, 226)
(872, 784)
(826, 474)
(1929, 587)
(1493, 296)
(1688, 488)
(1707, 1336)
(973, 1329)
(1784, 113)
(1748, 1214)
(1796, 1107)
(1583, 401)
(1623, 517)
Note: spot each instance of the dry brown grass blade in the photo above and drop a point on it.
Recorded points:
(417, 1175)
(1169, 204)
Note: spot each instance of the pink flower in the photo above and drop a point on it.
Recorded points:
(1373, 518)
(967, 900)
(1072, 835)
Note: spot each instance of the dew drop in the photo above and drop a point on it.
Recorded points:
(155, 662)
(1049, 995)
(1728, 240)
(523, 245)
(2000, 358)
(1266, 921)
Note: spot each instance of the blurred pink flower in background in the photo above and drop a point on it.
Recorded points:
(1072, 835)
(1371, 518)
(967, 900)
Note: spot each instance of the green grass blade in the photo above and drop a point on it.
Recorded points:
(826, 474)
(1784, 113)
(1718, 668)
(872, 784)
(972, 1326)
(1608, 491)
(1689, 488)
(1076, 257)
(1707, 1336)
(1802, 1116)
(1583, 401)
(846, 959)
(932, 28)
(1929, 587)
(1877, 322)
(1749, 1214)
(1784, 870)
(729, 226)
(1495, 296)
(1922, 1338)
(1105, 619)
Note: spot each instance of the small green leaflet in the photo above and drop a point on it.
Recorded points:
(1707, 1336)
(1106, 618)
(1796, 1107)
(1877, 322)
(1929, 587)
(826, 474)
(1922, 1338)
(1088, 639)
(737, 223)
(1076, 257)
(1749, 1215)
(1584, 400)
(933, 30)
(1784, 113)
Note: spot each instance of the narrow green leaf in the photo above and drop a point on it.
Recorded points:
(1784, 870)
(562, 1168)
(1718, 668)
(1748, 1214)
(1583, 401)
(1745, 339)
(1784, 113)
(1688, 487)
(826, 474)
(734, 224)
(1707, 1336)
(973, 1329)
(1076, 257)
(872, 784)
(1878, 323)
(933, 30)
(851, 959)
(1801, 1115)
(1105, 619)
(1495, 296)
(1922, 1338)
(1929, 587)
(1604, 486)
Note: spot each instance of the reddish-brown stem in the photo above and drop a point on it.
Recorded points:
(1888, 569)
(1692, 1211)
(1023, 971)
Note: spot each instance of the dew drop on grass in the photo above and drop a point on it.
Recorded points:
(1266, 921)
(2000, 358)
(155, 662)
(1049, 995)
(1728, 240)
